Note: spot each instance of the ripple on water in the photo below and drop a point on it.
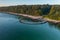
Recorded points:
(30, 21)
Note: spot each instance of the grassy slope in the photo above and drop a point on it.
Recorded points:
(54, 13)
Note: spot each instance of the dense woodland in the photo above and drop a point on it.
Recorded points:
(27, 9)
(48, 11)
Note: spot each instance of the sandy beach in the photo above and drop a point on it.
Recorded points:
(36, 17)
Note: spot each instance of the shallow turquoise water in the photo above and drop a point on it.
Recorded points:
(12, 29)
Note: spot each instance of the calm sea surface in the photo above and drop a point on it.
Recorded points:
(12, 29)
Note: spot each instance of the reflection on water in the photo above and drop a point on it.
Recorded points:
(54, 25)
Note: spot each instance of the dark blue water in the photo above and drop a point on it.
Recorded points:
(12, 29)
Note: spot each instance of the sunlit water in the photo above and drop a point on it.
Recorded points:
(12, 29)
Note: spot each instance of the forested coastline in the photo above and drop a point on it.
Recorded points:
(48, 11)
(28, 9)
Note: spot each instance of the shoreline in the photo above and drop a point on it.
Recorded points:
(52, 21)
(35, 17)
(26, 15)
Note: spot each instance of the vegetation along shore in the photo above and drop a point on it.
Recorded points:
(50, 13)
